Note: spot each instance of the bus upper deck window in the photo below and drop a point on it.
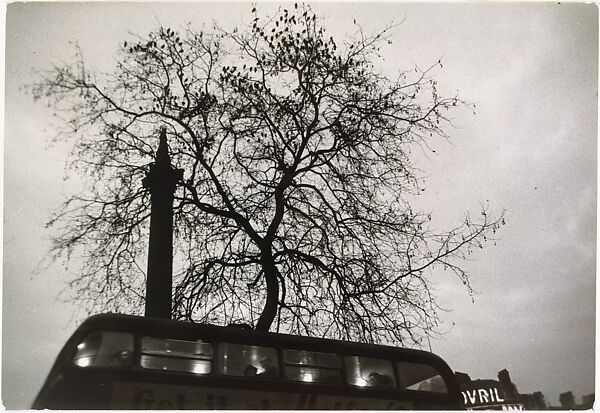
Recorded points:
(249, 361)
(176, 348)
(312, 367)
(419, 376)
(176, 355)
(105, 349)
(370, 372)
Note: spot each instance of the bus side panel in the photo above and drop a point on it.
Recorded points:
(149, 396)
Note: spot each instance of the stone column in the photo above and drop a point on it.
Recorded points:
(161, 180)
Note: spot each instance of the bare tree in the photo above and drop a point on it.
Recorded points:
(293, 213)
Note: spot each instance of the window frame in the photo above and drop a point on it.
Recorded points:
(391, 368)
(221, 363)
(402, 387)
(179, 356)
(340, 369)
(132, 363)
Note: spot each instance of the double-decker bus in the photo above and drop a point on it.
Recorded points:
(128, 362)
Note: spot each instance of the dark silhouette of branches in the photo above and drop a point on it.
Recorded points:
(293, 213)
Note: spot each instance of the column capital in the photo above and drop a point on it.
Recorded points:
(162, 177)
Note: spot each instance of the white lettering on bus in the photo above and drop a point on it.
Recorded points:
(471, 398)
(482, 396)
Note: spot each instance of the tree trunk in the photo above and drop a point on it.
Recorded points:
(270, 309)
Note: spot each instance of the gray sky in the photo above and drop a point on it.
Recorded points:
(531, 149)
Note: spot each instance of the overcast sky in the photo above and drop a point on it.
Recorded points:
(531, 149)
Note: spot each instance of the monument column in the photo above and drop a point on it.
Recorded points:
(161, 180)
